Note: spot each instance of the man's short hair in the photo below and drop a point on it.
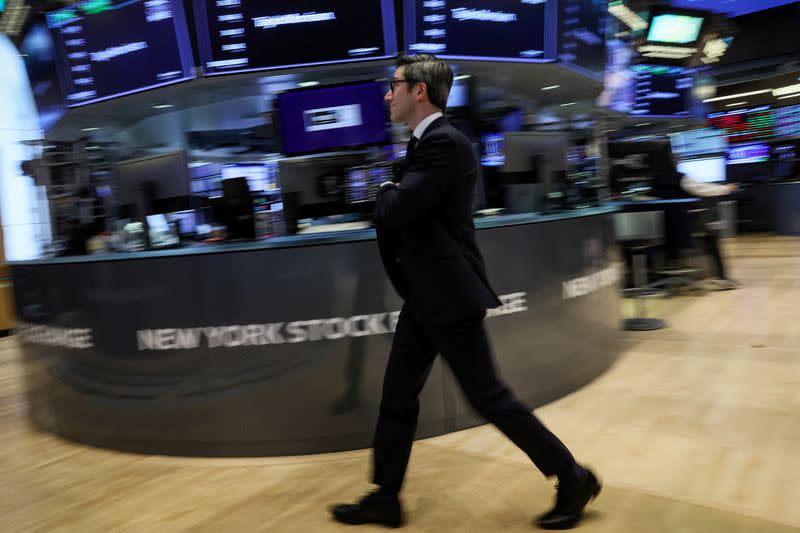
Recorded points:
(435, 73)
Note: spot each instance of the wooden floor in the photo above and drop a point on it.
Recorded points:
(696, 429)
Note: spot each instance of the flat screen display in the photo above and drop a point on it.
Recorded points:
(747, 154)
(707, 170)
(701, 141)
(110, 48)
(675, 29)
(493, 154)
(511, 30)
(582, 27)
(362, 183)
(321, 119)
(662, 91)
(261, 176)
(245, 35)
(745, 125)
(787, 121)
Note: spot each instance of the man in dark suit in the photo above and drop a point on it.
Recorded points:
(427, 243)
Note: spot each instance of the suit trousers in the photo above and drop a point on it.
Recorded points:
(466, 350)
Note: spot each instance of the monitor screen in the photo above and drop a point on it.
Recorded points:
(261, 176)
(675, 29)
(246, 35)
(160, 177)
(510, 30)
(321, 119)
(112, 48)
(186, 221)
(493, 154)
(749, 153)
(698, 142)
(662, 91)
(362, 183)
(708, 170)
(745, 125)
(787, 121)
(582, 26)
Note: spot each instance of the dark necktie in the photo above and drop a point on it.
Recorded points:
(412, 144)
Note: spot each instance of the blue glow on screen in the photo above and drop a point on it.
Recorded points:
(732, 8)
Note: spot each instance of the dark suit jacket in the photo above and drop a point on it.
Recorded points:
(425, 231)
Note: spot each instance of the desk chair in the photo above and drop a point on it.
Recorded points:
(640, 232)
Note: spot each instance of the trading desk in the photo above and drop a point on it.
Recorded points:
(279, 347)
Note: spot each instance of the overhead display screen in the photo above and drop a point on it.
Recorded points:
(326, 118)
(787, 121)
(582, 26)
(246, 35)
(511, 30)
(662, 91)
(675, 29)
(745, 125)
(109, 48)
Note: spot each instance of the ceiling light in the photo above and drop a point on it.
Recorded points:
(568, 104)
(789, 89)
(732, 96)
(624, 14)
(463, 77)
(644, 124)
(735, 104)
(307, 83)
(163, 106)
(788, 96)
(89, 129)
(550, 87)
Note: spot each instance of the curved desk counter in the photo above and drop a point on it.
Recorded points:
(279, 347)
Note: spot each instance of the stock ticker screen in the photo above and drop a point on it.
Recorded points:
(662, 91)
(516, 30)
(744, 125)
(109, 48)
(247, 35)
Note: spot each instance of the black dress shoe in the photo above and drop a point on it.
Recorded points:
(570, 501)
(374, 508)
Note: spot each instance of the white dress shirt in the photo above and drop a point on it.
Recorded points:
(422, 126)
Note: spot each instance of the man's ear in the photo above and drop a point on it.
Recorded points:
(422, 88)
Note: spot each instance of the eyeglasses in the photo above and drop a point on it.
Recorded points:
(393, 83)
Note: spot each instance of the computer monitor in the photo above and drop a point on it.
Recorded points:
(748, 154)
(313, 186)
(539, 153)
(492, 154)
(145, 180)
(260, 176)
(185, 220)
(362, 183)
(707, 169)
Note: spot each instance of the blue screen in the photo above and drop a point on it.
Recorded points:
(732, 8)
(109, 48)
(322, 119)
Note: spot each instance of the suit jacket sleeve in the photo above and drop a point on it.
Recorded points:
(421, 185)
